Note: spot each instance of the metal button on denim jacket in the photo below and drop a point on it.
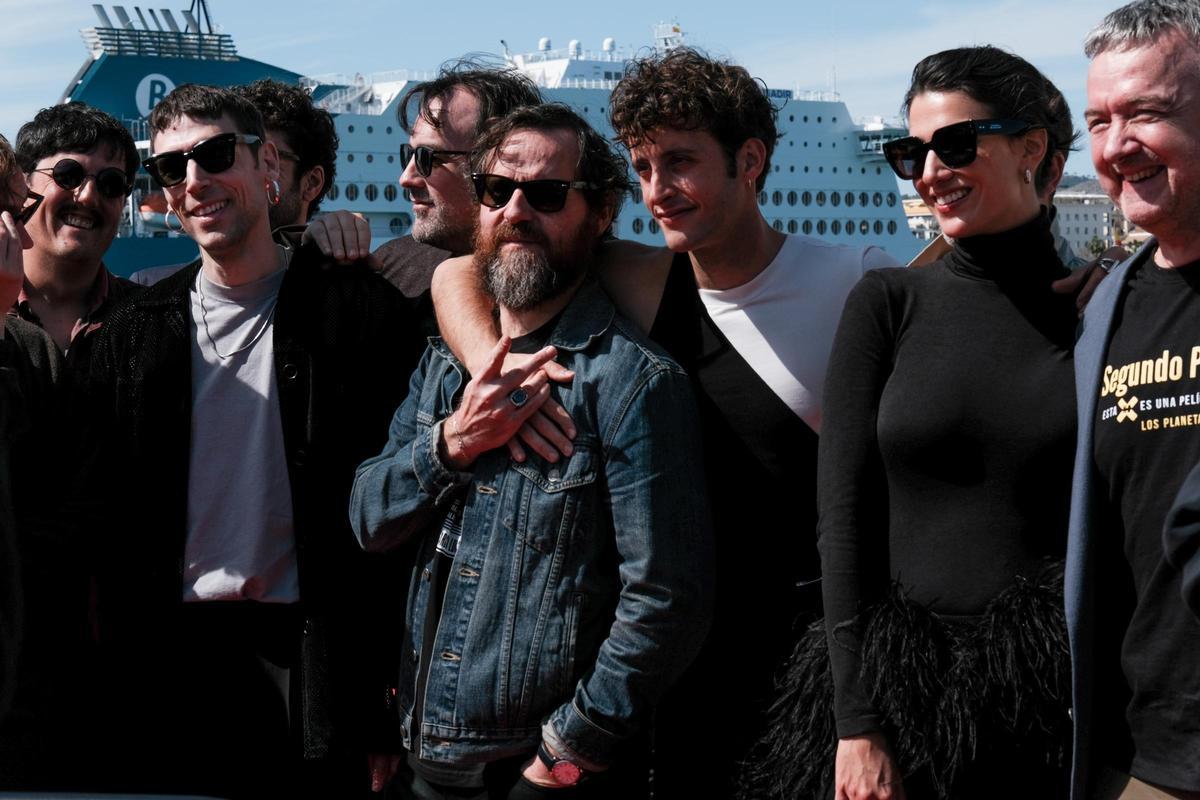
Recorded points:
(580, 589)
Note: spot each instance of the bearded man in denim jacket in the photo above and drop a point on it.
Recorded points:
(553, 600)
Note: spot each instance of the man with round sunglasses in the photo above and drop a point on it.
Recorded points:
(81, 161)
(589, 574)
(239, 622)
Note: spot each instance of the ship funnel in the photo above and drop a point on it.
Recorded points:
(609, 44)
(573, 48)
(544, 43)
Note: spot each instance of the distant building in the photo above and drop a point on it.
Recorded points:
(921, 221)
(1087, 215)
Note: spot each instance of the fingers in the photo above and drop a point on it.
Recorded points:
(516, 450)
(317, 233)
(340, 235)
(525, 365)
(542, 434)
(559, 417)
(492, 370)
(557, 372)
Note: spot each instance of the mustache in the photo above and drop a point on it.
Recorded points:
(77, 208)
(519, 232)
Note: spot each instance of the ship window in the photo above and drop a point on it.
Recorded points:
(408, 195)
(820, 227)
(820, 169)
(399, 225)
(878, 227)
(834, 119)
(391, 158)
(792, 168)
(864, 170)
(835, 227)
(891, 199)
(638, 225)
(807, 226)
(653, 226)
(864, 228)
(806, 117)
(351, 192)
(835, 198)
(806, 144)
(762, 198)
(849, 227)
(370, 158)
(833, 144)
(791, 143)
(806, 198)
(818, 119)
(349, 156)
(891, 226)
(820, 198)
(793, 226)
(877, 199)
(637, 194)
(835, 170)
(820, 143)
(777, 197)
(370, 129)
(849, 198)
(371, 192)
(792, 198)
(777, 168)
(806, 169)
(791, 117)
(777, 225)
(333, 192)
(879, 170)
(862, 199)
(389, 192)
(350, 129)
(389, 129)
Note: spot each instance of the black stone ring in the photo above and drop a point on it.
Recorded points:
(518, 397)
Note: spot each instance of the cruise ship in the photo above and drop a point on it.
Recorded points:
(829, 176)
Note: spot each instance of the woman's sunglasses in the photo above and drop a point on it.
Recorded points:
(425, 158)
(547, 196)
(27, 209)
(70, 175)
(954, 144)
(213, 155)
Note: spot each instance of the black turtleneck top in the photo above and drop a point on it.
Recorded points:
(949, 429)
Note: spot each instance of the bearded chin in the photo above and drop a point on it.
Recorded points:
(522, 280)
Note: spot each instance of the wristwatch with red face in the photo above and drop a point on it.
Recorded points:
(564, 772)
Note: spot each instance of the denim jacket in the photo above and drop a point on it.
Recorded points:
(580, 590)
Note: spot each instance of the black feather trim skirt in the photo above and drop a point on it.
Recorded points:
(972, 707)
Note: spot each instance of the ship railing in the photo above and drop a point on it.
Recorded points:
(610, 56)
(138, 42)
(311, 82)
(576, 83)
(817, 96)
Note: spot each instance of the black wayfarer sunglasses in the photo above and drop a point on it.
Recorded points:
(547, 196)
(213, 155)
(426, 157)
(27, 209)
(954, 144)
(69, 174)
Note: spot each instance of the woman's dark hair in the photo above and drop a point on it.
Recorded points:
(1007, 84)
(687, 90)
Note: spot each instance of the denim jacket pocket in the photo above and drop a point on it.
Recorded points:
(551, 495)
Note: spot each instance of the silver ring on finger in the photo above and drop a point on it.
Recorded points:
(518, 397)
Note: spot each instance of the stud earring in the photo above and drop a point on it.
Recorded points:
(1028, 175)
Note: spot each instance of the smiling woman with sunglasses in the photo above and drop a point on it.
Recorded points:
(944, 474)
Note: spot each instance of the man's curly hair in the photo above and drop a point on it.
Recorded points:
(687, 90)
(308, 130)
(8, 166)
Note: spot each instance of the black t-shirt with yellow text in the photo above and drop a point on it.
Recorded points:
(1147, 440)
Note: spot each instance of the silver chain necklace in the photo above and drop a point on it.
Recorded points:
(204, 318)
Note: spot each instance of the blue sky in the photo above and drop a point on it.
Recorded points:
(869, 45)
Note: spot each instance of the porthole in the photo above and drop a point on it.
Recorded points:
(391, 158)
(891, 226)
(792, 197)
(638, 225)
(849, 227)
(878, 227)
(399, 225)
(777, 225)
(777, 197)
(350, 157)
(371, 192)
(653, 226)
(820, 198)
(806, 198)
(793, 226)
(762, 198)
(877, 198)
(370, 129)
(389, 130)
(891, 199)
(351, 192)
(407, 196)
(333, 192)
(807, 226)
(835, 198)
(370, 158)
(389, 192)
(862, 199)
(350, 129)
(849, 198)
(864, 227)
(820, 227)
(835, 227)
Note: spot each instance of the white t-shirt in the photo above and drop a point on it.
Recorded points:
(783, 320)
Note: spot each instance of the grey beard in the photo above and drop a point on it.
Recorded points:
(525, 279)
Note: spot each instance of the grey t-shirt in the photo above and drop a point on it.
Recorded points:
(240, 538)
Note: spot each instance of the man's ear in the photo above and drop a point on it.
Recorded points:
(751, 160)
(311, 183)
(270, 157)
